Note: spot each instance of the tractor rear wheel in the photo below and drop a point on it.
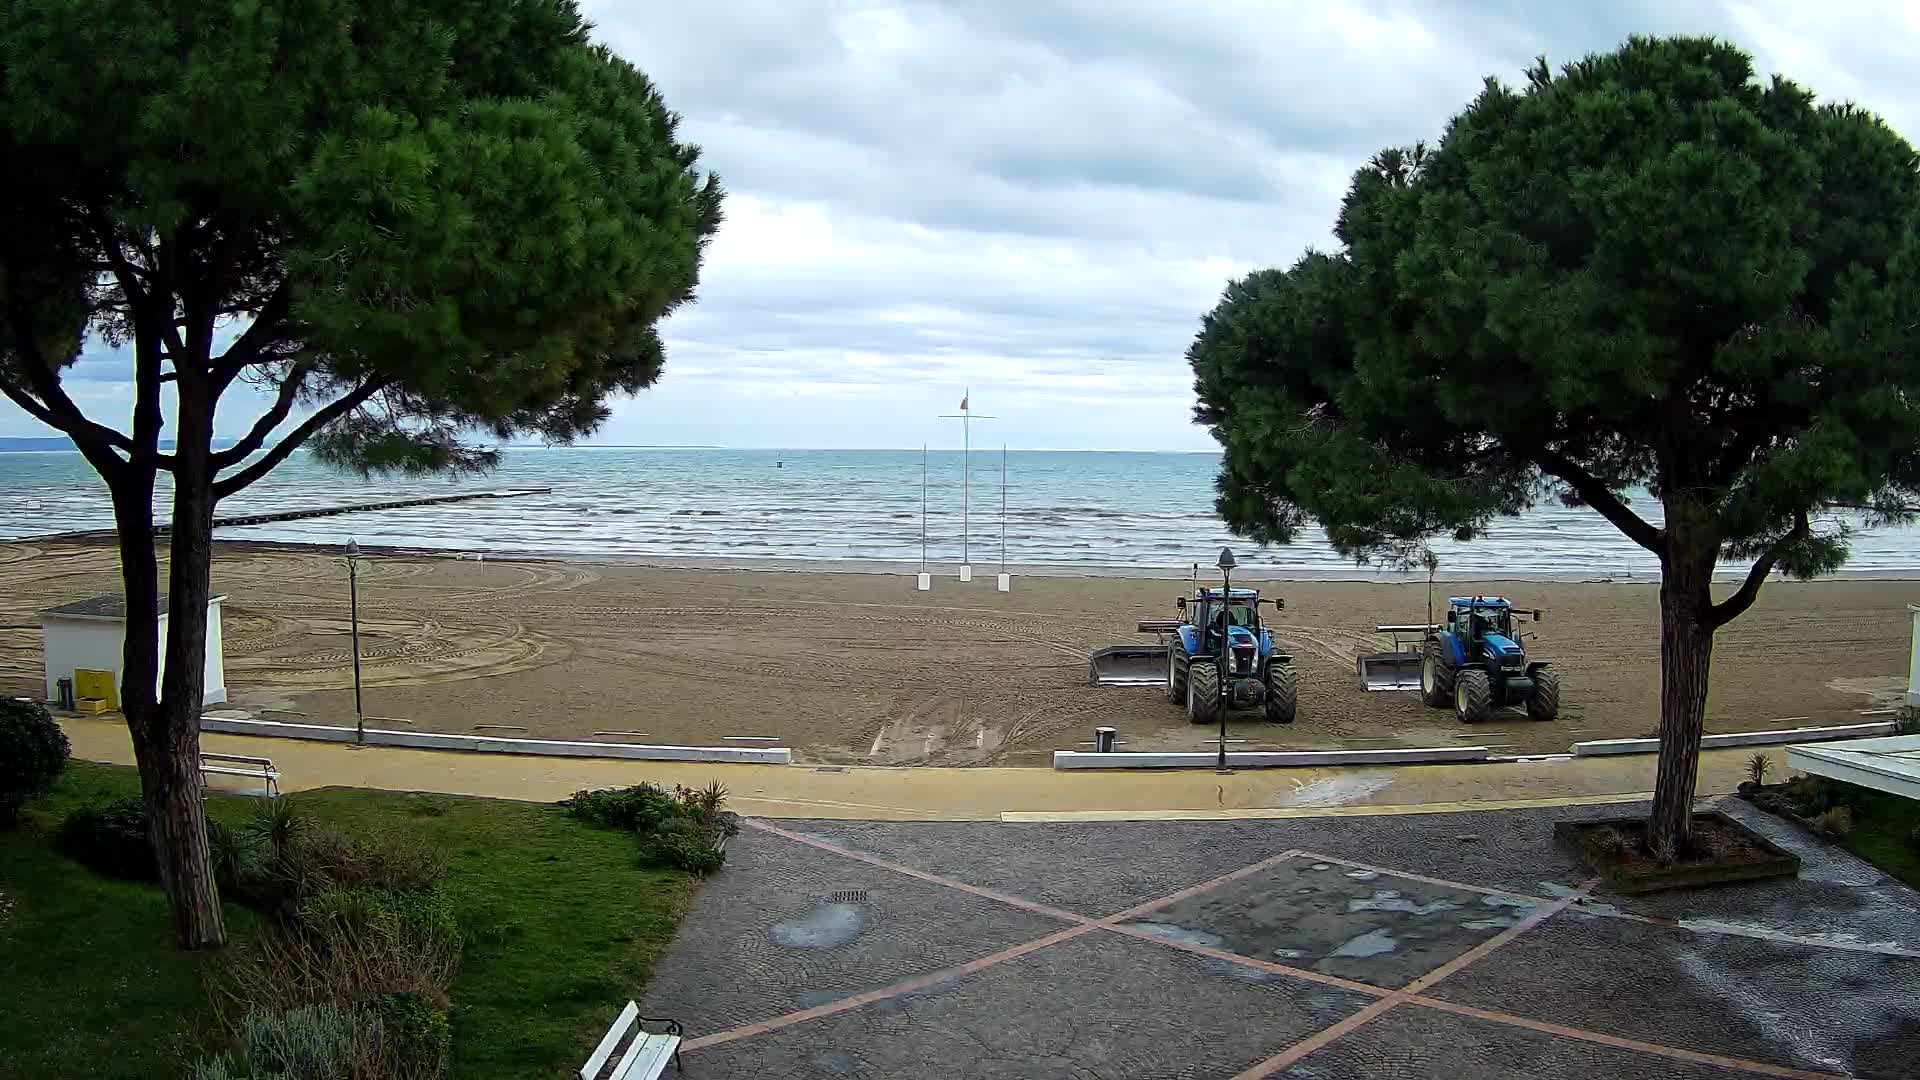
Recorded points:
(1472, 696)
(1283, 694)
(1543, 702)
(1436, 677)
(1203, 691)
(1176, 677)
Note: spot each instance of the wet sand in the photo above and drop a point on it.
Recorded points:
(860, 668)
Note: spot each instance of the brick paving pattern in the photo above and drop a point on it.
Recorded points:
(1439, 945)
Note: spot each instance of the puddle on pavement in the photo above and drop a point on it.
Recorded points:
(1337, 790)
(1170, 932)
(1391, 900)
(827, 926)
(1372, 943)
(1486, 924)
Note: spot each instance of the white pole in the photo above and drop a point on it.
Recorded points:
(924, 580)
(1005, 581)
(966, 479)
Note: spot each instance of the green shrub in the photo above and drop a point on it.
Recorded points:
(310, 1042)
(416, 1035)
(641, 808)
(1757, 767)
(315, 860)
(707, 806)
(110, 840)
(342, 946)
(682, 849)
(1835, 821)
(33, 753)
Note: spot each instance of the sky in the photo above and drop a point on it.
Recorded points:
(1038, 200)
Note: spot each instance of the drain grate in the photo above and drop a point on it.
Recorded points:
(848, 896)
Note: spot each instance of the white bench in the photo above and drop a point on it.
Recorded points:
(258, 768)
(643, 1055)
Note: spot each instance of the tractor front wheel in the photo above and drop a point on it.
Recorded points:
(1203, 692)
(1436, 678)
(1283, 694)
(1543, 701)
(1176, 677)
(1472, 696)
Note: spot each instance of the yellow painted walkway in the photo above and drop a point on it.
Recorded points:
(930, 794)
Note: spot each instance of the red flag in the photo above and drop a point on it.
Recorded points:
(963, 404)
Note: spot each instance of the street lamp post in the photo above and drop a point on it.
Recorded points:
(353, 608)
(1226, 565)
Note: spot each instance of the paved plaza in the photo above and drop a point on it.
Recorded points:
(1432, 945)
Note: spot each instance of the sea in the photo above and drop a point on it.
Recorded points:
(1035, 512)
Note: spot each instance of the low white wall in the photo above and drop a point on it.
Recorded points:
(1267, 759)
(1602, 747)
(429, 740)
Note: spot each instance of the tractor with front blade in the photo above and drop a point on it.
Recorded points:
(1474, 661)
(1214, 656)
(1220, 657)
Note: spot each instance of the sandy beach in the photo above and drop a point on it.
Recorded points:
(859, 668)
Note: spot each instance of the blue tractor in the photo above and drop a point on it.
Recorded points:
(1220, 657)
(1475, 661)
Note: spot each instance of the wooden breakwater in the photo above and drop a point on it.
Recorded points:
(355, 508)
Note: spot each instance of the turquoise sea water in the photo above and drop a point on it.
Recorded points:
(1112, 512)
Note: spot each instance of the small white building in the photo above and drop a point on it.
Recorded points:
(90, 634)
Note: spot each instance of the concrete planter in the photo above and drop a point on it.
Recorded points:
(1631, 872)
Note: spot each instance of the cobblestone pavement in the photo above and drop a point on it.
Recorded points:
(1437, 945)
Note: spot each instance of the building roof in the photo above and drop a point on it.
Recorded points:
(1889, 763)
(111, 606)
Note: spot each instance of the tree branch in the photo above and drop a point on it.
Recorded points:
(54, 408)
(1595, 494)
(245, 349)
(1733, 606)
(239, 481)
(263, 427)
(129, 277)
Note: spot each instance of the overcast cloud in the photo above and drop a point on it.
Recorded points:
(1038, 200)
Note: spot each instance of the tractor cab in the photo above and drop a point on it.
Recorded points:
(1485, 625)
(1214, 616)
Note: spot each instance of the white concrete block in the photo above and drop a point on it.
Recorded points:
(923, 582)
(966, 573)
(1005, 583)
(1603, 747)
(432, 740)
(1268, 759)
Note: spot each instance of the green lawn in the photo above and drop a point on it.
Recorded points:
(1883, 834)
(562, 928)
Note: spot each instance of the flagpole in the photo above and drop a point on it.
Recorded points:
(966, 480)
(923, 507)
(965, 416)
(1003, 508)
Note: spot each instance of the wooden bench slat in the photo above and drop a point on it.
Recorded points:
(614, 1034)
(647, 1058)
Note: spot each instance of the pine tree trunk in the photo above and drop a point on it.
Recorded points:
(175, 812)
(1686, 659)
(165, 727)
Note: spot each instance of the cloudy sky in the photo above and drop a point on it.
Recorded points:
(1039, 199)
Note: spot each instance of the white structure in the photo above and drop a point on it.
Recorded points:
(1913, 659)
(1891, 764)
(90, 634)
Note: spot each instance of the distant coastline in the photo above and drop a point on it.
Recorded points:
(62, 444)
